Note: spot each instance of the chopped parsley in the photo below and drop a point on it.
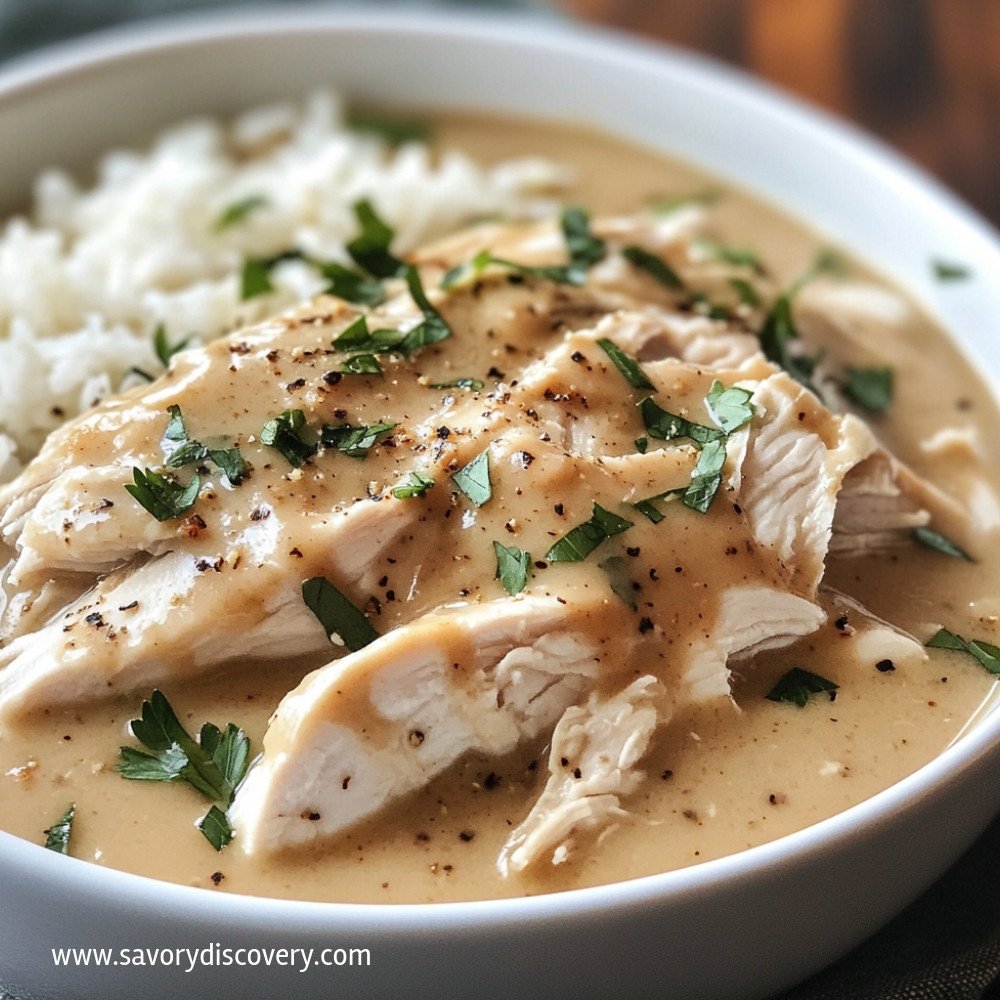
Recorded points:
(472, 384)
(798, 685)
(164, 498)
(653, 265)
(214, 764)
(256, 277)
(580, 541)
(415, 484)
(626, 364)
(513, 567)
(355, 442)
(236, 212)
(934, 540)
(58, 835)
(179, 450)
(164, 349)
(949, 271)
(283, 432)
(584, 248)
(985, 652)
(707, 477)
(394, 131)
(615, 569)
(362, 364)
(729, 407)
(778, 340)
(870, 388)
(433, 328)
(649, 509)
(735, 256)
(745, 290)
(666, 426)
(370, 248)
(642, 444)
(344, 623)
(473, 479)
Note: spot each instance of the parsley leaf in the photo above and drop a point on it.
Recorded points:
(433, 328)
(798, 685)
(58, 835)
(394, 131)
(179, 450)
(777, 337)
(985, 652)
(283, 432)
(357, 337)
(746, 292)
(352, 286)
(256, 277)
(362, 364)
(653, 265)
(472, 384)
(238, 211)
(729, 407)
(338, 616)
(164, 498)
(626, 364)
(947, 271)
(473, 479)
(933, 540)
(580, 541)
(513, 567)
(736, 256)
(370, 248)
(665, 426)
(164, 349)
(214, 765)
(583, 246)
(615, 568)
(642, 444)
(354, 442)
(415, 485)
(216, 828)
(870, 388)
(707, 477)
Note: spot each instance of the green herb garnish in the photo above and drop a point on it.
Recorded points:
(626, 364)
(653, 265)
(370, 248)
(344, 623)
(746, 292)
(473, 479)
(985, 652)
(414, 485)
(433, 328)
(736, 256)
(616, 570)
(933, 540)
(777, 337)
(355, 442)
(666, 426)
(256, 277)
(580, 541)
(513, 567)
(238, 211)
(584, 248)
(58, 835)
(214, 764)
(870, 388)
(362, 364)
(798, 685)
(472, 384)
(283, 432)
(707, 476)
(948, 271)
(164, 349)
(179, 450)
(164, 498)
(350, 285)
(394, 131)
(729, 407)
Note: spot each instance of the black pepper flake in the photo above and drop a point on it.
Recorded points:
(272, 355)
(653, 574)
(383, 581)
(345, 782)
(217, 878)
(632, 550)
(737, 508)
(522, 459)
(415, 738)
(491, 781)
(311, 816)
(577, 357)
(422, 836)
(131, 606)
(297, 384)
(666, 774)
(96, 619)
(333, 378)
(390, 595)
(260, 514)
(885, 666)
(340, 414)
(577, 773)
(646, 625)
(841, 623)
(678, 569)
(541, 564)
(559, 509)
(296, 552)
(564, 761)
(466, 835)
(443, 433)
(495, 372)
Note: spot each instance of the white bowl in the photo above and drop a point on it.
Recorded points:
(742, 926)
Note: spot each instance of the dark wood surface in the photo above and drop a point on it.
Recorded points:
(924, 75)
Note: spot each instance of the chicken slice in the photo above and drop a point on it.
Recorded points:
(383, 721)
(595, 748)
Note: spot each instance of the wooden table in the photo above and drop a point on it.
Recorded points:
(922, 74)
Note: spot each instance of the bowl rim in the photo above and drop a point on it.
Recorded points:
(58, 64)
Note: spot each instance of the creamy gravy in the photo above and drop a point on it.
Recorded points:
(720, 779)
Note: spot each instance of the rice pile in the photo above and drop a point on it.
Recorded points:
(89, 275)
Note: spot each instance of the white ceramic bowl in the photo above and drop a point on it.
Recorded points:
(742, 926)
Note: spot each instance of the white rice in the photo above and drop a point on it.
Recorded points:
(88, 276)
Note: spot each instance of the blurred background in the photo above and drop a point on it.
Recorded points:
(922, 74)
